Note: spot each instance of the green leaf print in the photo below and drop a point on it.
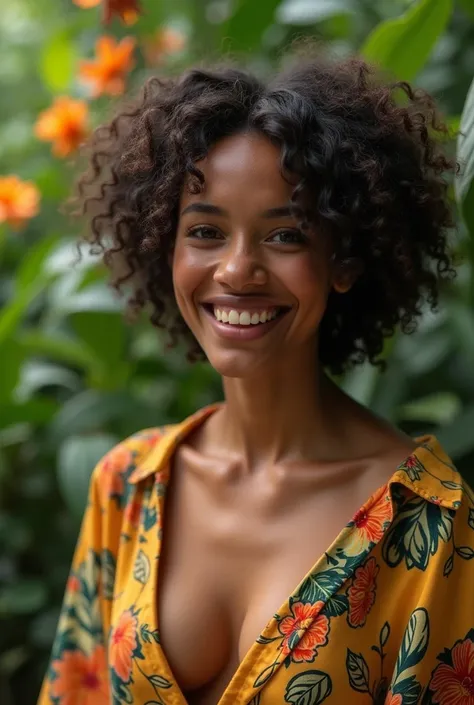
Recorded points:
(414, 643)
(470, 521)
(141, 569)
(409, 689)
(336, 606)
(107, 573)
(465, 552)
(415, 533)
(384, 634)
(308, 688)
(323, 585)
(265, 675)
(358, 672)
(159, 681)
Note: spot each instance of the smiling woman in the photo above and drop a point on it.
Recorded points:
(286, 545)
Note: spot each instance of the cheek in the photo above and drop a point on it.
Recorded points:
(189, 271)
(307, 278)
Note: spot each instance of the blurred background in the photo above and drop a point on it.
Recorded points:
(74, 378)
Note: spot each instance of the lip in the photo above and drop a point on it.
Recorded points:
(240, 333)
(244, 303)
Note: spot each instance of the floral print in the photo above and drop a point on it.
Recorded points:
(304, 631)
(384, 617)
(361, 593)
(122, 644)
(81, 679)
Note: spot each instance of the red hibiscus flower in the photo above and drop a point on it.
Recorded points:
(307, 628)
(362, 593)
(123, 641)
(80, 679)
(133, 511)
(454, 685)
(114, 464)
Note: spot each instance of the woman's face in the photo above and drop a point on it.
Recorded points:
(251, 286)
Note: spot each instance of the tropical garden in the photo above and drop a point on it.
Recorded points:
(75, 378)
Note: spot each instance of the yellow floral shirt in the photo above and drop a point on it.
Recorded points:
(385, 616)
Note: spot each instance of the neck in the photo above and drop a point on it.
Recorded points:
(281, 416)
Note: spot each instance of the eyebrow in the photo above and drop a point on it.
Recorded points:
(279, 212)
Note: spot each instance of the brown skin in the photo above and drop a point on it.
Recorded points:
(288, 454)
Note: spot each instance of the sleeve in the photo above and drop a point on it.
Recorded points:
(78, 666)
(435, 661)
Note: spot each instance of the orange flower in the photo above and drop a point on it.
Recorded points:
(393, 699)
(113, 61)
(19, 200)
(362, 593)
(123, 641)
(85, 4)
(163, 43)
(81, 680)
(304, 631)
(454, 685)
(127, 10)
(370, 521)
(64, 124)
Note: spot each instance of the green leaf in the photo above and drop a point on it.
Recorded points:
(57, 62)
(77, 457)
(464, 182)
(309, 688)
(244, 30)
(457, 438)
(11, 361)
(58, 347)
(402, 45)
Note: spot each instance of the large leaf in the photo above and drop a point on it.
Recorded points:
(402, 45)
(464, 183)
(77, 457)
(57, 62)
(244, 30)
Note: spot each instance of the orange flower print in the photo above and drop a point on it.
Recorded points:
(80, 679)
(361, 593)
(304, 631)
(165, 42)
(114, 60)
(73, 584)
(133, 511)
(19, 201)
(454, 685)
(113, 465)
(393, 699)
(64, 124)
(123, 642)
(369, 522)
(86, 4)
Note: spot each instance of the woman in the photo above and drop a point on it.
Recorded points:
(286, 545)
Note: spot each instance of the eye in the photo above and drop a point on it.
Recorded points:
(204, 232)
(288, 237)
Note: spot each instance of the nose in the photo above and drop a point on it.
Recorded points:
(240, 267)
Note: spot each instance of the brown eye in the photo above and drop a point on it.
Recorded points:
(288, 237)
(204, 233)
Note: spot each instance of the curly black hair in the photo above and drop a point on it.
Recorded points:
(370, 166)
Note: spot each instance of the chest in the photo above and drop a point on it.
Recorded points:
(232, 554)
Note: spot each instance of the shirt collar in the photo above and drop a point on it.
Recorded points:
(428, 471)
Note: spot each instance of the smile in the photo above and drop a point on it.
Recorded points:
(234, 317)
(240, 324)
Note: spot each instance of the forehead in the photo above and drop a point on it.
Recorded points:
(244, 166)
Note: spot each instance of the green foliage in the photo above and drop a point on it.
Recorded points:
(75, 379)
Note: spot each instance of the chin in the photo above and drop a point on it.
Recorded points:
(235, 363)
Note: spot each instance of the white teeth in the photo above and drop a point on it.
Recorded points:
(244, 318)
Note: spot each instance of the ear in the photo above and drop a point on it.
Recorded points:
(345, 274)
